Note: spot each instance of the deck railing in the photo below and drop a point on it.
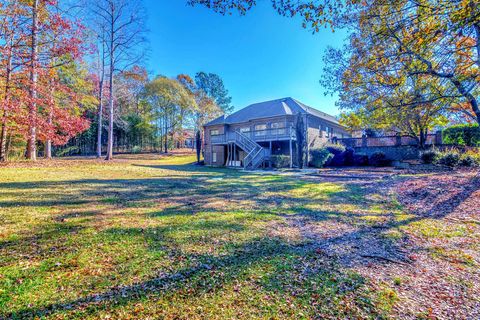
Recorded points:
(257, 135)
(386, 141)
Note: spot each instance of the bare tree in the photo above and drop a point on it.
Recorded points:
(120, 24)
(101, 87)
(32, 107)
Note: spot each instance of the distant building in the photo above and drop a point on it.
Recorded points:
(185, 138)
(251, 135)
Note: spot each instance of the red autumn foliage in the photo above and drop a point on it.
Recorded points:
(37, 92)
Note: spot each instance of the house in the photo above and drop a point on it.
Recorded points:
(184, 138)
(189, 138)
(248, 137)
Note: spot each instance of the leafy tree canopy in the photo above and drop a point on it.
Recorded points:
(214, 88)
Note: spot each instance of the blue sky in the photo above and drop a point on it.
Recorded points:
(260, 56)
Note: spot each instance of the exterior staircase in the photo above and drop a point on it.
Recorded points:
(256, 154)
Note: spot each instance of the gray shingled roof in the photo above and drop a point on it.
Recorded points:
(273, 108)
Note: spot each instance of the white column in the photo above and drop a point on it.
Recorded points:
(291, 155)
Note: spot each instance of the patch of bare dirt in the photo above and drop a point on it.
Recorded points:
(452, 194)
(432, 262)
(445, 276)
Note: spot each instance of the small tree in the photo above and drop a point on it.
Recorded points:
(406, 109)
(198, 144)
(301, 145)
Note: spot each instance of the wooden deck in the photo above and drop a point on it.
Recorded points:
(282, 134)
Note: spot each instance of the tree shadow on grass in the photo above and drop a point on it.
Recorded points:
(313, 276)
(436, 204)
(190, 194)
(45, 241)
(84, 191)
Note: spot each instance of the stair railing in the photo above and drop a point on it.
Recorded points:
(255, 152)
(249, 158)
(258, 158)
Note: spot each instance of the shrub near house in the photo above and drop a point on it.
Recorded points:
(430, 156)
(280, 161)
(328, 155)
(379, 159)
(337, 155)
(451, 158)
(338, 152)
(320, 157)
(360, 159)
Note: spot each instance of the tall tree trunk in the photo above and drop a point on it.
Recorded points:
(469, 96)
(475, 102)
(110, 124)
(110, 103)
(100, 120)
(6, 101)
(422, 138)
(48, 143)
(9, 143)
(32, 110)
(100, 105)
(166, 136)
(3, 137)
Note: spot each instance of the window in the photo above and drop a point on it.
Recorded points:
(245, 131)
(214, 157)
(328, 131)
(260, 129)
(214, 132)
(278, 128)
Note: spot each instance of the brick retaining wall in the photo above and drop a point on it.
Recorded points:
(395, 153)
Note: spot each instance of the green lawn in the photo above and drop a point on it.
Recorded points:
(145, 237)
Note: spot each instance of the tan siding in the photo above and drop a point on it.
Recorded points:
(315, 140)
(317, 134)
(208, 146)
(220, 151)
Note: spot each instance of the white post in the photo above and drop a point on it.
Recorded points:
(291, 155)
(307, 142)
(228, 154)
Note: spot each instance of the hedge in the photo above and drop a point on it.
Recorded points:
(462, 135)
